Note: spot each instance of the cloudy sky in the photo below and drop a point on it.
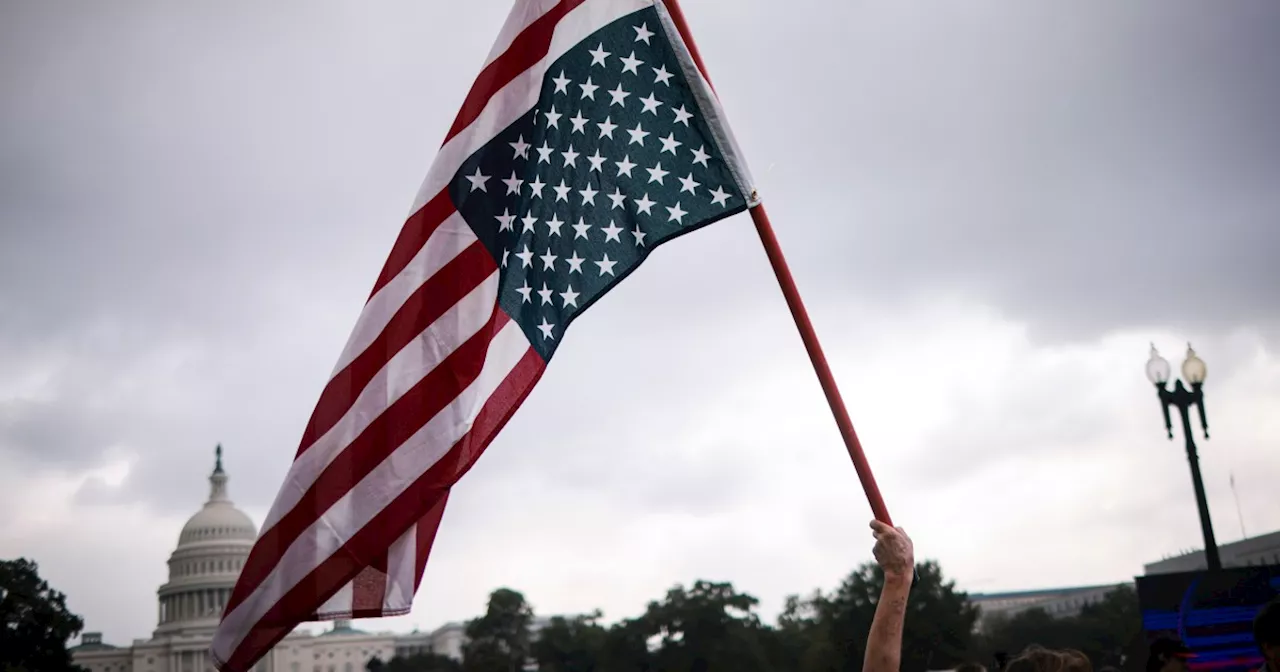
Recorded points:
(991, 208)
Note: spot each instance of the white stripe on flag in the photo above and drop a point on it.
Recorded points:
(340, 603)
(375, 491)
(401, 571)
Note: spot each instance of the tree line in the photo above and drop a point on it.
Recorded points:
(712, 627)
(705, 627)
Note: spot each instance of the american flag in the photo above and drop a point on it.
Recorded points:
(589, 139)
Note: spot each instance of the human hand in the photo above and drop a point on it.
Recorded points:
(894, 552)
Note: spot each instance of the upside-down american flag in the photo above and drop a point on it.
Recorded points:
(589, 139)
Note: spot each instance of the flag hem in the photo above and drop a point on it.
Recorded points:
(712, 112)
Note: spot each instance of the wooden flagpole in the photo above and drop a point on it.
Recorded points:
(798, 312)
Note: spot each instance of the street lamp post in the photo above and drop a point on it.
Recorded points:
(1193, 371)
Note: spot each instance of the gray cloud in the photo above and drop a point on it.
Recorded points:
(1087, 166)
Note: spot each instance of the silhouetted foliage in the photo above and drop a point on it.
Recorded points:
(570, 644)
(499, 641)
(420, 662)
(35, 624)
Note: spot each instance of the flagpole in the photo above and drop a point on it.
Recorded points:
(798, 313)
(820, 366)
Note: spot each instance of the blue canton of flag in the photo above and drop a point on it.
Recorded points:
(617, 158)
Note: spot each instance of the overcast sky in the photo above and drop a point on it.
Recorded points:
(991, 208)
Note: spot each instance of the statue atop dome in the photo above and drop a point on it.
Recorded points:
(218, 479)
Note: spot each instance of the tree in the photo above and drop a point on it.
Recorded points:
(800, 640)
(499, 641)
(938, 633)
(1110, 626)
(626, 648)
(35, 624)
(570, 644)
(828, 633)
(710, 626)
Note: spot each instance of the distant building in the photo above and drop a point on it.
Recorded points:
(1260, 550)
(1058, 602)
(213, 546)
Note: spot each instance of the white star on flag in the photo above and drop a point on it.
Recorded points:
(478, 181)
(521, 147)
(661, 76)
(546, 328)
(630, 63)
(643, 33)
(645, 205)
(513, 183)
(569, 297)
(598, 55)
(562, 83)
(553, 225)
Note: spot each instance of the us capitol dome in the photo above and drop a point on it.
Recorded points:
(212, 548)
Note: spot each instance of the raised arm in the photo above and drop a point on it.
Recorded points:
(894, 552)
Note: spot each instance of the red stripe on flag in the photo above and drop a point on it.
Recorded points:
(376, 443)
(433, 486)
(426, 537)
(442, 291)
(529, 47)
(413, 235)
(369, 588)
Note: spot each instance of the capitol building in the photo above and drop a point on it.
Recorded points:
(213, 546)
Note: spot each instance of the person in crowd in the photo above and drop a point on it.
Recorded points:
(971, 667)
(1266, 634)
(1040, 659)
(1168, 655)
(896, 556)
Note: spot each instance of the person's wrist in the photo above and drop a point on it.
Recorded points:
(898, 579)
